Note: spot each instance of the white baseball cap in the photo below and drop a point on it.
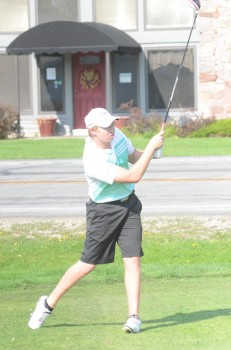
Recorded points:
(99, 117)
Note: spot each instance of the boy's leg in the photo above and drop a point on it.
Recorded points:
(132, 284)
(71, 277)
(45, 304)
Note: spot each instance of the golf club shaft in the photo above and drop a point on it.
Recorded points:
(177, 77)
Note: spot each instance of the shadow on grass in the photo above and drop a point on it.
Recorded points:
(169, 321)
(82, 325)
(184, 318)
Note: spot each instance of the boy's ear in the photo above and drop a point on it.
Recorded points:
(92, 131)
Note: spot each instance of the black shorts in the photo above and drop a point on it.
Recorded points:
(111, 223)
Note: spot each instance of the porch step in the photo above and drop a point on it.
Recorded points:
(79, 132)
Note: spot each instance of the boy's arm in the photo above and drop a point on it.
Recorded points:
(132, 158)
(138, 169)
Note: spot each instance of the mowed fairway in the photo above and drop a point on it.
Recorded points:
(177, 314)
(186, 294)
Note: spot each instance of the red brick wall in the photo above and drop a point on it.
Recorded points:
(214, 23)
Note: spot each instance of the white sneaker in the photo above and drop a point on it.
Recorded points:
(39, 315)
(133, 325)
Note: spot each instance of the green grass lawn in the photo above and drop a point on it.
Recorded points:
(53, 148)
(186, 294)
(59, 148)
(190, 314)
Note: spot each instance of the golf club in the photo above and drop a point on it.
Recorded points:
(195, 4)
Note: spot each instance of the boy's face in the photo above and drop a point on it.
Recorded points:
(103, 135)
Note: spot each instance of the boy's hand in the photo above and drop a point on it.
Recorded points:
(158, 140)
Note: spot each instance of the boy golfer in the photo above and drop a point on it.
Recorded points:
(112, 213)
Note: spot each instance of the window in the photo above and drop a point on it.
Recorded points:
(163, 69)
(120, 14)
(57, 10)
(51, 82)
(124, 80)
(89, 59)
(167, 14)
(14, 74)
(14, 15)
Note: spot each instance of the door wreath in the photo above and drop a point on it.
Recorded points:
(89, 79)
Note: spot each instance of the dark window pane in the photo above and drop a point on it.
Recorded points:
(124, 80)
(51, 83)
(163, 69)
(89, 59)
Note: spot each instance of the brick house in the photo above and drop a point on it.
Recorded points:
(61, 60)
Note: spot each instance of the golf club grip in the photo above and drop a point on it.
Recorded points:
(178, 73)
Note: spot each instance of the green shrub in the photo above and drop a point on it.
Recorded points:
(192, 125)
(140, 124)
(171, 130)
(9, 122)
(220, 128)
(147, 126)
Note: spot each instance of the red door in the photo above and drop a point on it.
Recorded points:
(89, 85)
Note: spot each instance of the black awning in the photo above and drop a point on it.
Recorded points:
(65, 36)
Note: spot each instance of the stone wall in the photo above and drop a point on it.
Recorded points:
(214, 56)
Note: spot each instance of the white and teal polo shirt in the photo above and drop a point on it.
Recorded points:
(100, 167)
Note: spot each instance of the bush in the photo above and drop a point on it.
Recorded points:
(9, 122)
(185, 126)
(140, 124)
(220, 128)
(190, 126)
